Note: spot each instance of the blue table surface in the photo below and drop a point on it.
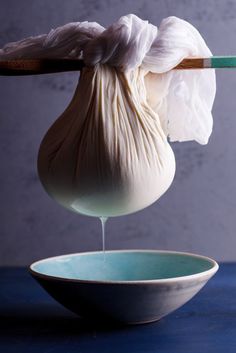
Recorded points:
(31, 321)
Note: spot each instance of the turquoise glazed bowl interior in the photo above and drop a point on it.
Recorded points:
(131, 286)
(123, 266)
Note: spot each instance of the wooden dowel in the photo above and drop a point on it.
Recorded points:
(191, 63)
(39, 66)
(45, 66)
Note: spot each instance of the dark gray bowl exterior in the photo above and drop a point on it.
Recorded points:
(129, 303)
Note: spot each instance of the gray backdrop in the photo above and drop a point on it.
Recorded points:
(197, 214)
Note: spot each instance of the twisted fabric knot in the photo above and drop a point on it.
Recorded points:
(183, 100)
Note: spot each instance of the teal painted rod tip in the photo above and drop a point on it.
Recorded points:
(223, 62)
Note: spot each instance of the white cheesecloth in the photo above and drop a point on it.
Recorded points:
(108, 153)
(129, 43)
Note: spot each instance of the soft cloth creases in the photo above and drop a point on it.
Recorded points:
(108, 154)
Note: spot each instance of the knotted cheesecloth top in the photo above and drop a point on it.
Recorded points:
(108, 153)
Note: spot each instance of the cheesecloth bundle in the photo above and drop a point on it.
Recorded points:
(108, 153)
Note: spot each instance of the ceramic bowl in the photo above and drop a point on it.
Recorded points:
(131, 286)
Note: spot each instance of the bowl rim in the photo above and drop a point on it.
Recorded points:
(203, 274)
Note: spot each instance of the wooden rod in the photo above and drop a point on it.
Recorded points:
(47, 66)
(39, 66)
